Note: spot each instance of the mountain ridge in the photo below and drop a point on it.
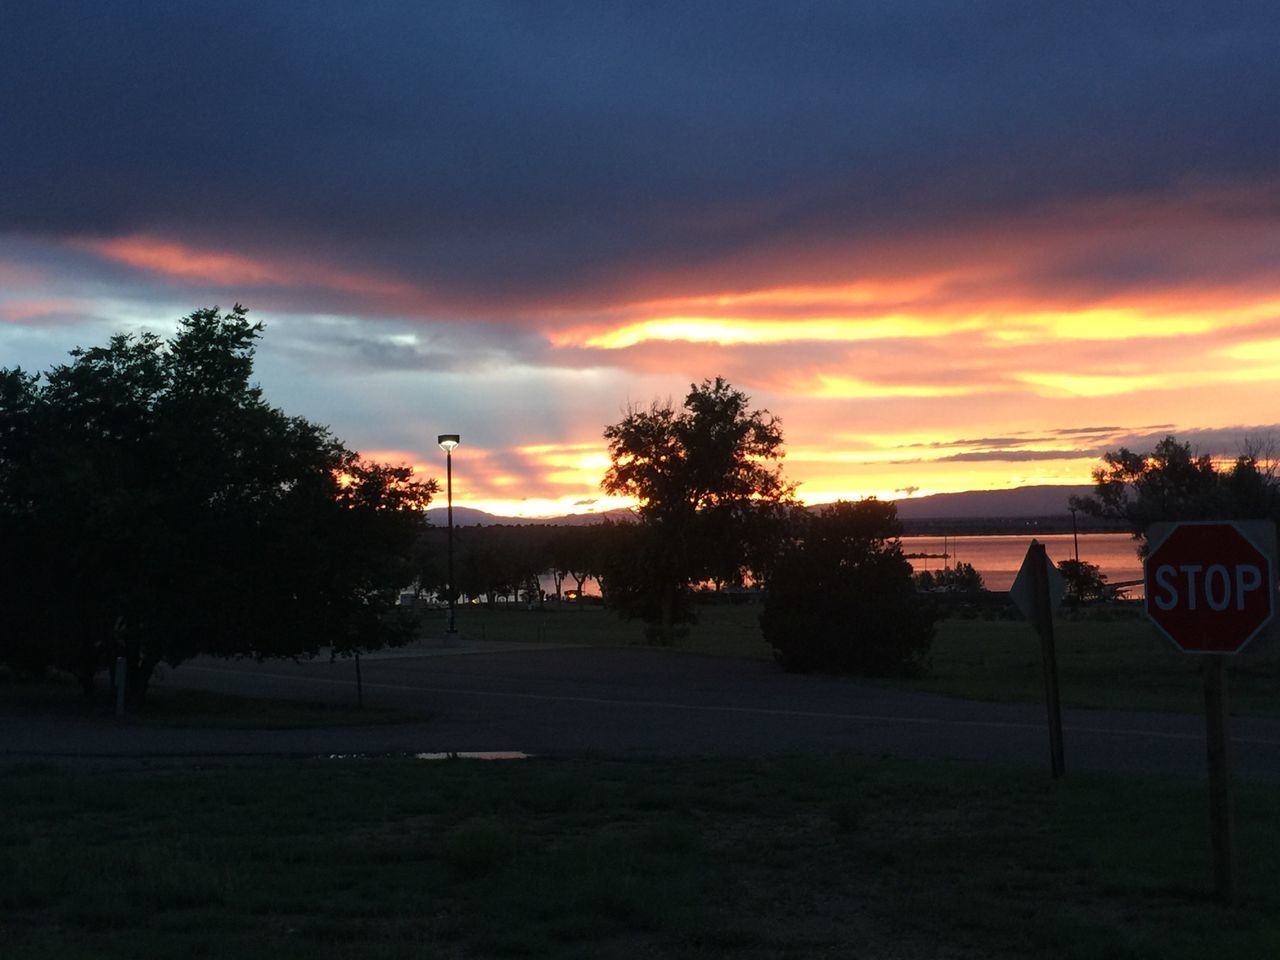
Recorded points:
(1039, 500)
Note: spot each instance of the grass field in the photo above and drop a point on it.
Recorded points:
(587, 859)
(1111, 661)
(176, 707)
(1116, 664)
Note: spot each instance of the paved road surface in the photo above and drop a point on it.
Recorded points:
(641, 702)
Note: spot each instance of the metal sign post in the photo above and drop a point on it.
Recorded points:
(1210, 588)
(1219, 764)
(1036, 590)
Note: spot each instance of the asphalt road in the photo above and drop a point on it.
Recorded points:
(640, 702)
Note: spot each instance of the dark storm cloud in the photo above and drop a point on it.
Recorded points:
(1224, 441)
(485, 151)
(1227, 441)
(987, 442)
(1014, 456)
(1086, 431)
(376, 346)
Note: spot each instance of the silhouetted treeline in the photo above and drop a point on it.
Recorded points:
(508, 562)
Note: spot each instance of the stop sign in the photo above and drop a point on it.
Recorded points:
(1210, 586)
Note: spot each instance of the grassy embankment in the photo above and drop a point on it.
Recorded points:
(1109, 661)
(591, 858)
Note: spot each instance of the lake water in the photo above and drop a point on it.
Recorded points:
(998, 558)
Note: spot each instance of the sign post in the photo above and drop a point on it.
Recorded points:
(1036, 590)
(1210, 588)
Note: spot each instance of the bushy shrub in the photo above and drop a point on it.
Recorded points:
(962, 578)
(1084, 581)
(841, 599)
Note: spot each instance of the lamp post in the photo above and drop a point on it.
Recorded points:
(1075, 537)
(447, 443)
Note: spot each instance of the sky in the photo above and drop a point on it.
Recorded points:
(953, 246)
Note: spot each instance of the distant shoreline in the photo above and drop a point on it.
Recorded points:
(1006, 526)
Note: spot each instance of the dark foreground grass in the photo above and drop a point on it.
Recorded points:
(168, 706)
(724, 629)
(593, 858)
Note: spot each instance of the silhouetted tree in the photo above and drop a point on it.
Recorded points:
(160, 508)
(586, 557)
(1084, 580)
(1172, 483)
(961, 578)
(701, 475)
(841, 599)
(636, 580)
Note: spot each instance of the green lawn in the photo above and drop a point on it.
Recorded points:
(590, 858)
(732, 630)
(1105, 660)
(178, 707)
(1107, 663)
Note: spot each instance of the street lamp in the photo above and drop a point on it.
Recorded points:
(1075, 537)
(447, 443)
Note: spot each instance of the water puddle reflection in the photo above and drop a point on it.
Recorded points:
(448, 755)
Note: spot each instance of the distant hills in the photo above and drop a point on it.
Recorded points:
(1041, 501)
(976, 507)
(470, 517)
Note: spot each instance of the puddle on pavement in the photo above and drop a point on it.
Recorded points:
(450, 755)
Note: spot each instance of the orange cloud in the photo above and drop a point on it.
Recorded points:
(26, 311)
(182, 262)
(1134, 312)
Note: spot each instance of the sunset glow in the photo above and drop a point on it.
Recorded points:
(975, 270)
(737, 331)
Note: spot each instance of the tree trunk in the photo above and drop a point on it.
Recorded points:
(138, 671)
(667, 628)
(84, 675)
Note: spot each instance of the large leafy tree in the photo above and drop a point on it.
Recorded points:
(1172, 482)
(709, 491)
(157, 507)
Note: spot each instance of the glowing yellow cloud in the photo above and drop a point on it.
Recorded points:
(1008, 325)
(728, 330)
(1256, 351)
(580, 457)
(865, 292)
(1090, 385)
(843, 387)
(1103, 324)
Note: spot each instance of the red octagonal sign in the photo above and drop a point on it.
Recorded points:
(1210, 586)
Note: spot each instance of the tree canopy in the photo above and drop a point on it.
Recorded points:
(710, 496)
(1171, 482)
(155, 506)
(841, 598)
